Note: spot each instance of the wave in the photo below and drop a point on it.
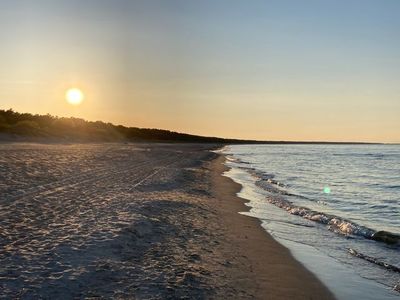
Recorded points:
(335, 223)
(393, 187)
(265, 177)
(375, 155)
(386, 237)
(374, 260)
(236, 160)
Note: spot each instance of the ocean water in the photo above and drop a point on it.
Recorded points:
(335, 206)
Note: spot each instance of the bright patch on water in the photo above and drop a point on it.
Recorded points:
(362, 216)
(327, 190)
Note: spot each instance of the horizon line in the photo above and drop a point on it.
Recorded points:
(251, 141)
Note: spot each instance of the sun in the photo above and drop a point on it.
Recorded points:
(74, 96)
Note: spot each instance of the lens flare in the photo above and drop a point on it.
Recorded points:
(327, 190)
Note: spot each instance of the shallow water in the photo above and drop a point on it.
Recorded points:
(334, 198)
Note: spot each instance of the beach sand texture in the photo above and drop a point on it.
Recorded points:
(134, 221)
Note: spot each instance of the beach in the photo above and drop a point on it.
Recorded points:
(341, 225)
(135, 221)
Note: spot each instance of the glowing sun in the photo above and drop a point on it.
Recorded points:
(74, 96)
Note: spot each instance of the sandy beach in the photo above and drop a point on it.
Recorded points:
(134, 221)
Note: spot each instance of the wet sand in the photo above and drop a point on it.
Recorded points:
(265, 268)
(143, 221)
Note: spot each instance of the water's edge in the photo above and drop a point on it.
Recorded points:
(343, 282)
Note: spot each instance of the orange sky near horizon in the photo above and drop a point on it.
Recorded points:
(273, 70)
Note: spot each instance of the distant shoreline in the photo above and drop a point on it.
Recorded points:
(26, 127)
(14, 138)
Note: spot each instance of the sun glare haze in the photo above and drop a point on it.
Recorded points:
(266, 70)
(74, 96)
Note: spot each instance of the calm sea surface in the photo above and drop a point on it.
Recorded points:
(342, 200)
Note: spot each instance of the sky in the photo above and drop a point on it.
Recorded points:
(299, 70)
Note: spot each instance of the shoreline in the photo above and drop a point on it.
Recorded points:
(268, 266)
(321, 251)
(138, 221)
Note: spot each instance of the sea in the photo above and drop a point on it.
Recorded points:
(336, 207)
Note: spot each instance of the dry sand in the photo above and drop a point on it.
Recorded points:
(134, 222)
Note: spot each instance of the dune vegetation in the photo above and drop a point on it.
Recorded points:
(19, 125)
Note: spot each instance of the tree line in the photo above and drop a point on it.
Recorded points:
(17, 124)
(14, 124)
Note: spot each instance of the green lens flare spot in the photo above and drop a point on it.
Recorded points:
(327, 190)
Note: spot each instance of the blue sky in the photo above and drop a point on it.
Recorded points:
(293, 70)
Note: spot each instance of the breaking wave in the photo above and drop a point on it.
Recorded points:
(374, 260)
(334, 223)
